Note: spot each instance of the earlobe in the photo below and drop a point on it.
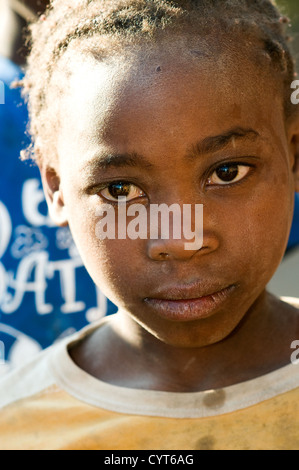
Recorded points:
(294, 148)
(54, 196)
(295, 151)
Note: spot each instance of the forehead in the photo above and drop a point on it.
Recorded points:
(166, 90)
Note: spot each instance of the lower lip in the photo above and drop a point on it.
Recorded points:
(190, 309)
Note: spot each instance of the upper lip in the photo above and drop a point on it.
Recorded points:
(195, 290)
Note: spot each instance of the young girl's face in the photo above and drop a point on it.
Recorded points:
(180, 127)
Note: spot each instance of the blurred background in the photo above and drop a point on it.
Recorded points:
(291, 9)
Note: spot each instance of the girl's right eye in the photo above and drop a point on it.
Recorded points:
(121, 189)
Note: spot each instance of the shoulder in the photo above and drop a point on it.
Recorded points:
(293, 301)
(26, 380)
(38, 375)
(287, 315)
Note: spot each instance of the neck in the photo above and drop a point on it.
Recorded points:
(12, 28)
(124, 354)
(246, 353)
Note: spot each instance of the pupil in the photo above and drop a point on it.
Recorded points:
(119, 190)
(227, 173)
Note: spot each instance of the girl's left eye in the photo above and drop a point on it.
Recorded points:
(228, 173)
(121, 189)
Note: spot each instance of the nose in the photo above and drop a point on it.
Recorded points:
(182, 245)
(172, 249)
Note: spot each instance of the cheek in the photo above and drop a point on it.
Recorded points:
(118, 268)
(114, 265)
(257, 231)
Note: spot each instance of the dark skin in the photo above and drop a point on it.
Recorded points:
(13, 34)
(130, 106)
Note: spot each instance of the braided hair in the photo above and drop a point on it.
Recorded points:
(104, 26)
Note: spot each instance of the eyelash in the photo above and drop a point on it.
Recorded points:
(208, 178)
(229, 184)
(106, 186)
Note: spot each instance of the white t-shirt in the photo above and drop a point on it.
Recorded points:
(53, 404)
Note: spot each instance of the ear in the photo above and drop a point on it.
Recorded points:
(296, 163)
(294, 148)
(54, 196)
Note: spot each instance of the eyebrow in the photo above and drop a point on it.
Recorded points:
(119, 161)
(205, 146)
(218, 142)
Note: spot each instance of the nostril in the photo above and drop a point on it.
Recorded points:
(164, 255)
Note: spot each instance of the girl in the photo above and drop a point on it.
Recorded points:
(152, 102)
